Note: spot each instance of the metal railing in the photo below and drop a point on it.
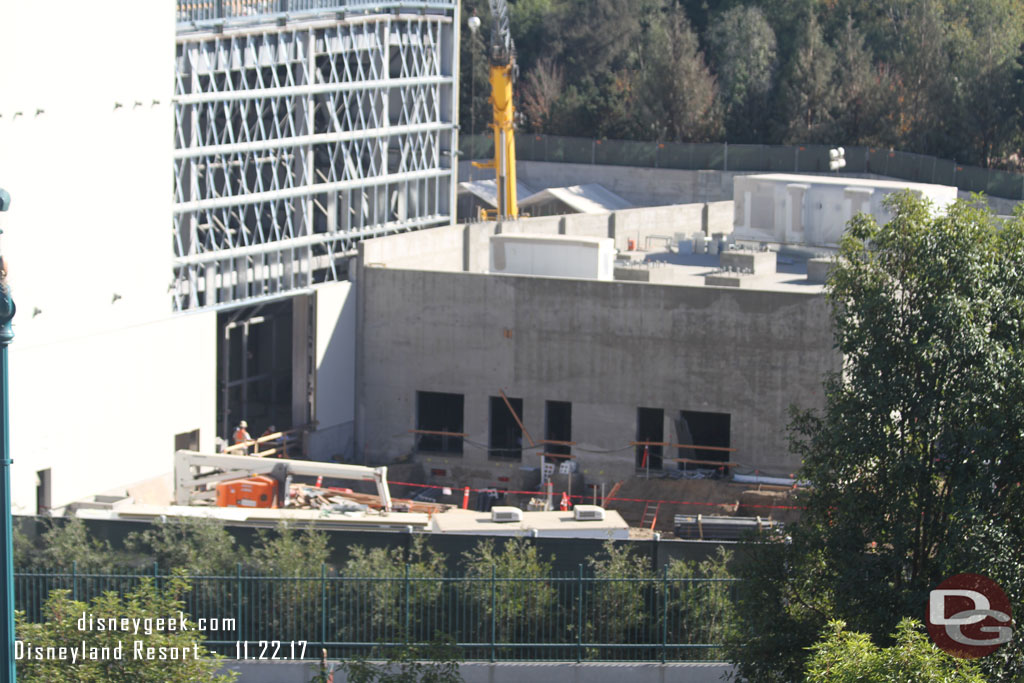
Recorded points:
(207, 12)
(572, 617)
(919, 168)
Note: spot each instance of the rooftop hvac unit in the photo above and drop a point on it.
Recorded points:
(589, 513)
(506, 513)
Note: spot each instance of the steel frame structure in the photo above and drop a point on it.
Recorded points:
(297, 137)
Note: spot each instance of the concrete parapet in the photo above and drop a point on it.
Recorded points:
(748, 260)
(718, 217)
(818, 269)
(725, 279)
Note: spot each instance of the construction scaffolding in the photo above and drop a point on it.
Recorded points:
(299, 134)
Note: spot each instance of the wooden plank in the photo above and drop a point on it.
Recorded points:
(516, 417)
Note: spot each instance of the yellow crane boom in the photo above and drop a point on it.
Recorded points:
(503, 72)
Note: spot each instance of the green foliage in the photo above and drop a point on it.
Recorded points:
(941, 77)
(290, 552)
(678, 90)
(743, 56)
(200, 546)
(385, 571)
(434, 663)
(516, 605)
(914, 462)
(66, 544)
(623, 595)
(708, 611)
(194, 664)
(845, 657)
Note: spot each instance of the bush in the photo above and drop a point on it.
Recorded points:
(61, 628)
(846, 657)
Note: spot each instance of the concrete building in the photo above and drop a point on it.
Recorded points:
(446, 348)
(189, 183)
(814, 210)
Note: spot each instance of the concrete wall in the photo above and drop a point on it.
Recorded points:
(608, 347)
(102, 375)
(639, 186)
(334, 403)
(509, 672)
(433, 249)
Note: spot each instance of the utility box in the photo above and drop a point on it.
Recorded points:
(255, 492)
(574, 256)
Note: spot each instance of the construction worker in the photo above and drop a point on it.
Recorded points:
(242, 434)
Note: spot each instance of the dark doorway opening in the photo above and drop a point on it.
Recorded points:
(650, 426)
(703, 429)
(254, 352)
(558, 426)
(439, 412)
(506, 439)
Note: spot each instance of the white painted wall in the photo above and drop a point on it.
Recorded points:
(335, 370)
(98, 387)
(553, 255)
(814, 210)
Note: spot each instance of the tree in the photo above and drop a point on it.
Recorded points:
(539, 94)
(864, 92)
(679, 92)
(914, 462)
(383, 591)
(742, 49)
(201, 546)
(67, 543)
(517, 605)
(845, 657)
(178, 655)
(808, 90)
(618, 606)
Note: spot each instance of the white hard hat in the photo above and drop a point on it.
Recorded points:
(243, 424)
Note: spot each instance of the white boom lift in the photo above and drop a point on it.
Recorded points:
(193, 471)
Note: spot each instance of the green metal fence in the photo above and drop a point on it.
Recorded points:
(761, 158)
(563, 617)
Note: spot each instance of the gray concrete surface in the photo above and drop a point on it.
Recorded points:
(511, 672)
(607, 347)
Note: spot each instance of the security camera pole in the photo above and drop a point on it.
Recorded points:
(7, 670)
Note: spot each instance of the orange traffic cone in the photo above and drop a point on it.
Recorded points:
(565, 504)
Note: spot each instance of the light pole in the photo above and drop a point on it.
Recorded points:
(7, 671)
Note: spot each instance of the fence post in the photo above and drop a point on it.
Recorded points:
(238, 600)
(406, 603)
(494, 615)
(579, 615)
(74, 580)
(323, 605)
(664, 612)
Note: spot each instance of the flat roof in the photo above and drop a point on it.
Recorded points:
(845, 181)
(553, 524)
(689, 270)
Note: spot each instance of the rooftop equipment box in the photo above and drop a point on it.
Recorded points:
(590, 258)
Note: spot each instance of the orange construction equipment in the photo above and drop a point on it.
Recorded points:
(254, 492)
(565, 504)
(465, 499)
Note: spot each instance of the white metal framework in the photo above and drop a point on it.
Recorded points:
(297, 137)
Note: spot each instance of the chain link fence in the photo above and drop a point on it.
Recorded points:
(919, 168)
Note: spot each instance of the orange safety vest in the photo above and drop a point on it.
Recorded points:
(242, 435)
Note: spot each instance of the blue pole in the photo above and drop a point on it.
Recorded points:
(7, 671)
